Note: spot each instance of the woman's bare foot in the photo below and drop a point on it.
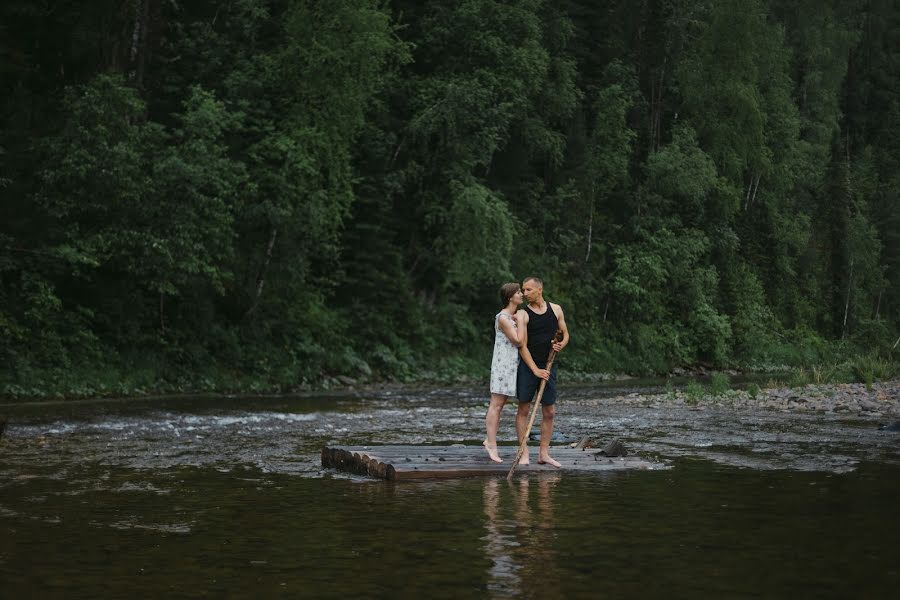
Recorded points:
(526, 459)
(546, 459)
(492, 452)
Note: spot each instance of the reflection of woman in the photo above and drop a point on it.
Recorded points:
(500, 542)
(505, 363)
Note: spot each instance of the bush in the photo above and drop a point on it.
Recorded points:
(799, 378)
(694, 392)
(823, 374)
(670, 390)
(719, 384)
(871, 367)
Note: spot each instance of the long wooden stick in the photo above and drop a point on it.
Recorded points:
(523, 443)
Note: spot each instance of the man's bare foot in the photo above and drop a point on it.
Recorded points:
(492, 452)
(525, 460)
(546, 459)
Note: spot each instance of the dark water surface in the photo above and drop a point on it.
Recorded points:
(225, 498)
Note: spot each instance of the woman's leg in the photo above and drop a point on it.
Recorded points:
(492, 424)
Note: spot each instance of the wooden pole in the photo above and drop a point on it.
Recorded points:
(523, 443)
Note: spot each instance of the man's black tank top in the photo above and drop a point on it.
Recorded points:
(541, 329)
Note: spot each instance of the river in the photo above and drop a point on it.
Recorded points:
(224, 497)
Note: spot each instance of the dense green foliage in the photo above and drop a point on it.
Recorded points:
(271, 192)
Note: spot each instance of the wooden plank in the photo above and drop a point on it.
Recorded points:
(432, 462)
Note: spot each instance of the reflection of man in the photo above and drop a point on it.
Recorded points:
(539, 320)
(521, 548)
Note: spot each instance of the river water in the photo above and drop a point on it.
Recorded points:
(225, 498)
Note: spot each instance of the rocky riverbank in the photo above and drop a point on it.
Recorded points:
(881, 399)
(817, 427)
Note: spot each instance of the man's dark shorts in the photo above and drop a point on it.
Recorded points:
(527, 384)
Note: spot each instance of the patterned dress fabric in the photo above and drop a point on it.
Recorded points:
(505, 362)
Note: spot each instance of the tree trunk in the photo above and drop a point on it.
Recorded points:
(261, 276)
(656, 92)
(659, 94)
(847, 303)
(590, 231)
(138, 55)
(162, 311)
(751, 191)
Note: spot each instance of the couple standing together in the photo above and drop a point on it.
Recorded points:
(522, 343)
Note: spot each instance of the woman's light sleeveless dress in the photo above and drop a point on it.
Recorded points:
(505, 362)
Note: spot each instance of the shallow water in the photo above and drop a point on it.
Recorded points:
(225, 497)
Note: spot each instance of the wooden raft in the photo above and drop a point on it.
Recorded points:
(397, 463)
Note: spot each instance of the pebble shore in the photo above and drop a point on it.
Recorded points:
(881, 399)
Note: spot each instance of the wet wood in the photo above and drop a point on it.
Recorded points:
(434, 462)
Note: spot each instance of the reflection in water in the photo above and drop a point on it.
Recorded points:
(503, 576)
(518, 538)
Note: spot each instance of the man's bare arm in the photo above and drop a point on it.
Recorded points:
(561, 320)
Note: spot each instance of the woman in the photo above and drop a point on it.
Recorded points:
(507, 340)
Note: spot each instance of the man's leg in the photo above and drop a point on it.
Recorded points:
(526, 385)
(521, 424)
(547, 414)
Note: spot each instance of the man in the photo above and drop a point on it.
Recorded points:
(539, 320)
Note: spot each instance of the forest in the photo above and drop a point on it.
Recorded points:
(267, 195)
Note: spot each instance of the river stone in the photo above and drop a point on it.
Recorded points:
(867, 404)
(614, 448)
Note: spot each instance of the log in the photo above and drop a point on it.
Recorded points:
(396, 463)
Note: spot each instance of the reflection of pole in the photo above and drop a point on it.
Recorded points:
(523, 443)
